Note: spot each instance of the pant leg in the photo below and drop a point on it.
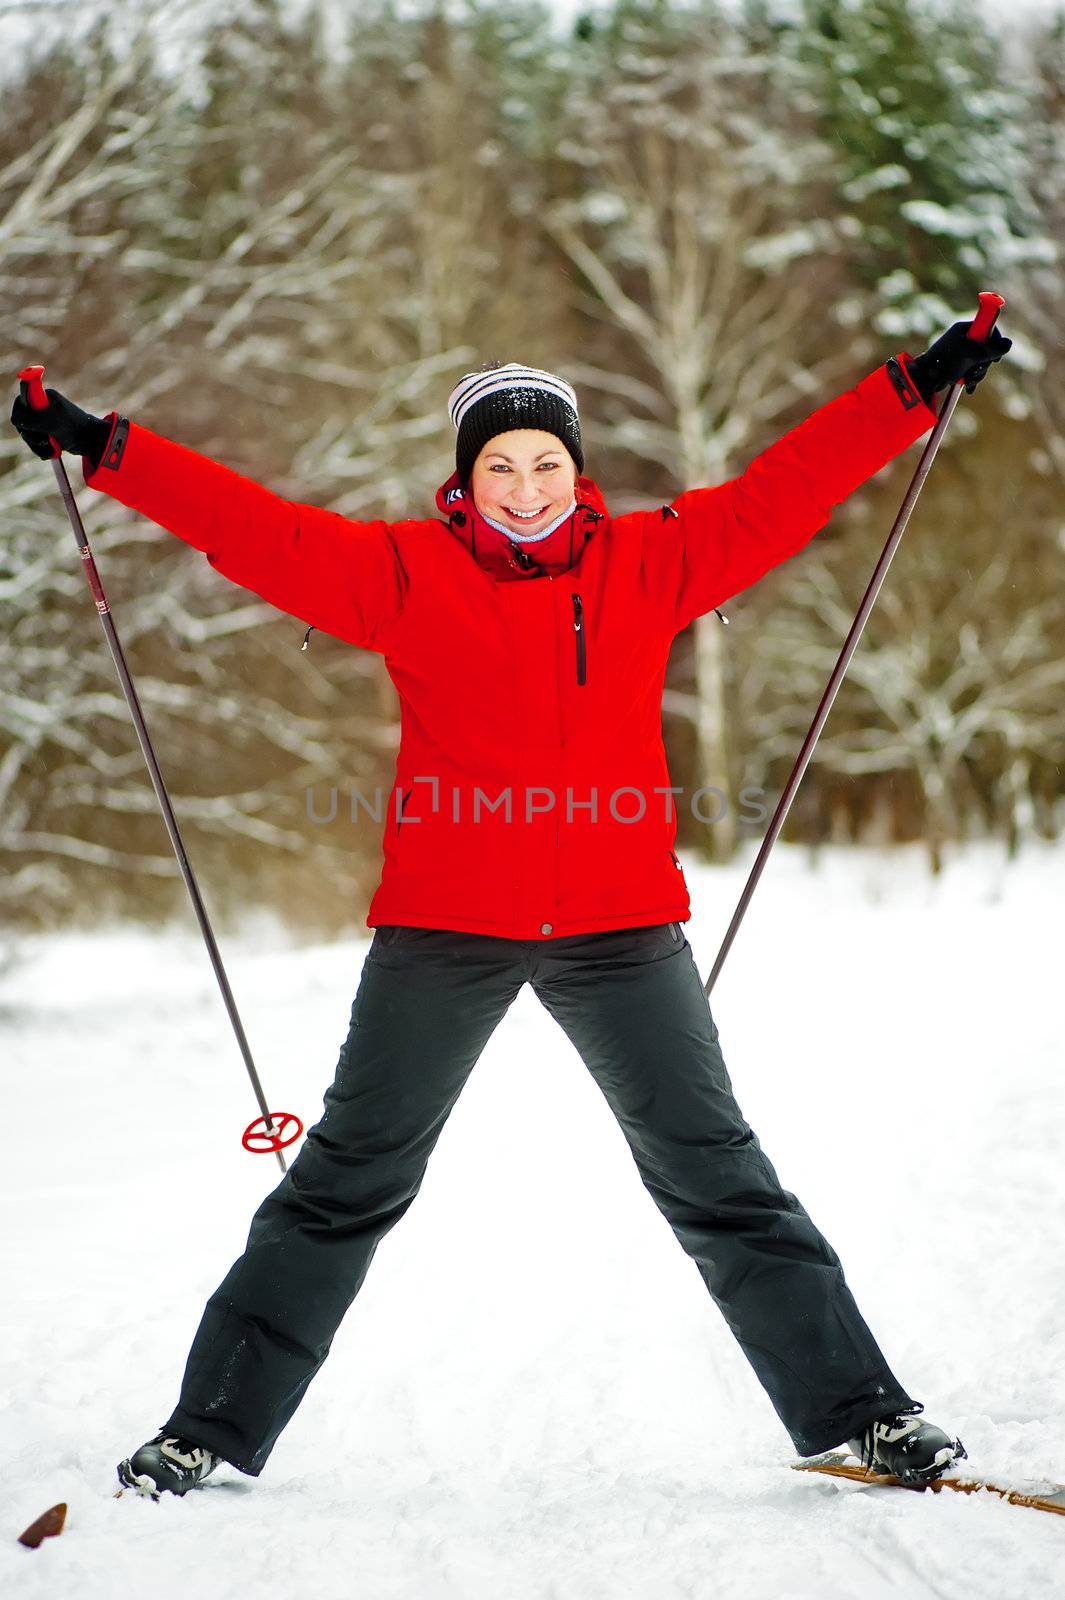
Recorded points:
(427, 1004)
(635, 1008)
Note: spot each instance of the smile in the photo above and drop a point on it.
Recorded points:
(525, 516)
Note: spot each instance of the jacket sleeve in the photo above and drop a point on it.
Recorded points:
(344, 577)
(720, 540)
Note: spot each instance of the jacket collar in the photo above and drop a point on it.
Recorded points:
(500, 556)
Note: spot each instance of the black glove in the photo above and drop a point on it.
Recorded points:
(73, 429)
(954, 356)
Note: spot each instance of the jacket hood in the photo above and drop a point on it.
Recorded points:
(505, 559)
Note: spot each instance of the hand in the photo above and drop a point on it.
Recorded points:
(73, 429)
(955, 356)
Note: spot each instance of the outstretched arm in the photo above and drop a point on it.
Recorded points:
(344, 577)
(724, 538)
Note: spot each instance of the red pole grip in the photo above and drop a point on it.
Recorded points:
(987, 316)
(32, 379)
(31, 387)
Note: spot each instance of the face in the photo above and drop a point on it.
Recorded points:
(524, 471)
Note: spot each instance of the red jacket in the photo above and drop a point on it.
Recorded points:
(535, 794)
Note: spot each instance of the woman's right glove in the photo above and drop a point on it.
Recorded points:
(73, 429)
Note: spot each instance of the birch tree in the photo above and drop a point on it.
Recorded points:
(697, 227)
(198, 309)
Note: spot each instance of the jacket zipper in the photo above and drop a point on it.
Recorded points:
(578, 628)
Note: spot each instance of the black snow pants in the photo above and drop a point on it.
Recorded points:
(632, 1003)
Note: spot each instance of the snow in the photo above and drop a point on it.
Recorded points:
(957, 221)
(533, 1397)
(875, 181)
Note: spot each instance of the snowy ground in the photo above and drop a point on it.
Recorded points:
(533, 1398)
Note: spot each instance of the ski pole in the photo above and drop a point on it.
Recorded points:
(31, 383)
(980, 328)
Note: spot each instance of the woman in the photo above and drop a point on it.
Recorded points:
(530, 839)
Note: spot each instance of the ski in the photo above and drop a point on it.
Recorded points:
(839, 1464)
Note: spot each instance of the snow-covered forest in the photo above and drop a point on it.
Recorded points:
(280, 245)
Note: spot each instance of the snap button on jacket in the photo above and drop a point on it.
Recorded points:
(532, 797)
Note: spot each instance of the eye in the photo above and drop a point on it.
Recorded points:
(552, 466)
(499, 466)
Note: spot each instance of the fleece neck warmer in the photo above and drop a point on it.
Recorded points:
(531, 538)
(512, 557)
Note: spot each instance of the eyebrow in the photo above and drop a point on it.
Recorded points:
(540, 457)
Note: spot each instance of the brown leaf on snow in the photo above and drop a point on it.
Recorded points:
(50, 1521)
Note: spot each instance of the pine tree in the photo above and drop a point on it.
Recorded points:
(927, 135)
(1040, 291)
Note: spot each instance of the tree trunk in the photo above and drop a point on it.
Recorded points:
(1020, 821)
(711, 768)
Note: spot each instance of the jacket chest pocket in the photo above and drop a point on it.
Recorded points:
(580, 634)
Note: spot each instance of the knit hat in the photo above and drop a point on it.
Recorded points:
(504, 396)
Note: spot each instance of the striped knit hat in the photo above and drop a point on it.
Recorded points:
(504, 396)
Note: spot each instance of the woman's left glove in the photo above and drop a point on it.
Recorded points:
(955, 356)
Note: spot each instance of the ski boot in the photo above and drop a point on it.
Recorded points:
(168, 1463)
(906, 1448)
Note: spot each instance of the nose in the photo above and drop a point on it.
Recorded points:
(527, 495)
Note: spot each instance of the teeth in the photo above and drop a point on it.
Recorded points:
(526, 516)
